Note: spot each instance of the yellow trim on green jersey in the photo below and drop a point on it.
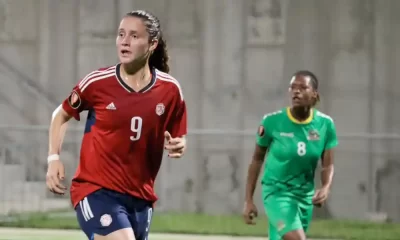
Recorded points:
(293, 119)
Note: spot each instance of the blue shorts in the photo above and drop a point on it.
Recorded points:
(105, 211)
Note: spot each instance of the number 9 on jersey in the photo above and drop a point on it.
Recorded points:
(136, 128)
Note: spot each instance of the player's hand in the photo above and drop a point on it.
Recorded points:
(55, 174)
(320, 196)
(175, 146)
(250, 213)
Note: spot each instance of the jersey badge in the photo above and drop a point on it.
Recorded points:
(160, 108)
(105, 220)
(261, 131)
(313, 135)
(74, 100)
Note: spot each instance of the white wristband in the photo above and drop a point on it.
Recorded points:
(53, 157)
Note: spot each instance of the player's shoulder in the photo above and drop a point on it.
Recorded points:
(96, 76)
(101, 73)
(323, 116)
(168, 80)
(274, 115)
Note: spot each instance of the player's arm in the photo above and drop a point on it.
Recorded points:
(71, 107)
(55, 171)
(328, 156)
(262, 144)
(327, 171)
(56, 149)
(175, 135)
(254, 171)
(58, 127)
(263, 140)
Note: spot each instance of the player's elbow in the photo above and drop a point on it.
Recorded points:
(60, 113)
(57, 110)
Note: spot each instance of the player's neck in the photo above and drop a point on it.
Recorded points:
(300, 113)
(136, 77)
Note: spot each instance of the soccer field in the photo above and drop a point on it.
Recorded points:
(47, 234)
(199, 227)
(51, 234)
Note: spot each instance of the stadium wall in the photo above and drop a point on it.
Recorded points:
(233, 59)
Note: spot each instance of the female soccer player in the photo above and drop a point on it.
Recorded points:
(133, 107)
(296, 138)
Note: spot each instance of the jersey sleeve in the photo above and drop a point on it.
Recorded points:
(177, 126)
(331, 138)
(264, 136)
(78, 100)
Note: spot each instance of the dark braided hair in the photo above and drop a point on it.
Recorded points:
(314, 82)
(159, 58)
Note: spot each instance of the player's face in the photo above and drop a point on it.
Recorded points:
(301, 91)
(133, 40)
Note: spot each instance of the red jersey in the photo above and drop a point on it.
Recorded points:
(123, 144)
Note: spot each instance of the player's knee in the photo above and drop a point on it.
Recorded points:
(121, 234)
(295, 235)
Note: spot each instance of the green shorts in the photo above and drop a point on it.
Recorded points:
(286, 214)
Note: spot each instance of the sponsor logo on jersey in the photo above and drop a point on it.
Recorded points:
(160, 108)
(313, 135)
(111, 106)
(74, 100)
(105, 220)
(283, 134)
(261, 131)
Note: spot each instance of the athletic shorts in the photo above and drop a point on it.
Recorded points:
(105, 211)
(286, 214)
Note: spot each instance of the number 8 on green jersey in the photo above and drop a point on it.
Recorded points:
(294, 149)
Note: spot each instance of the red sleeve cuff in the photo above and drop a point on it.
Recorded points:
(72, 112)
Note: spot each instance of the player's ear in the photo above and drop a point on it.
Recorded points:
(316, 97)
(153, 45)
(315, 94)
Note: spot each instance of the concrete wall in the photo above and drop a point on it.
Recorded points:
(234, 59)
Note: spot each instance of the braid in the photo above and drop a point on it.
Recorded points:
(159, 58)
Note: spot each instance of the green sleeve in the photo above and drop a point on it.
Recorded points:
(264, 137)
(331, 138)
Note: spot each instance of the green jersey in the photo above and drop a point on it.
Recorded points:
(294, 149)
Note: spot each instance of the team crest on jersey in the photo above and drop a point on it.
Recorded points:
(313, 135)
(261, 131)
(160, 108)
(74, 100)
(105, 220)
